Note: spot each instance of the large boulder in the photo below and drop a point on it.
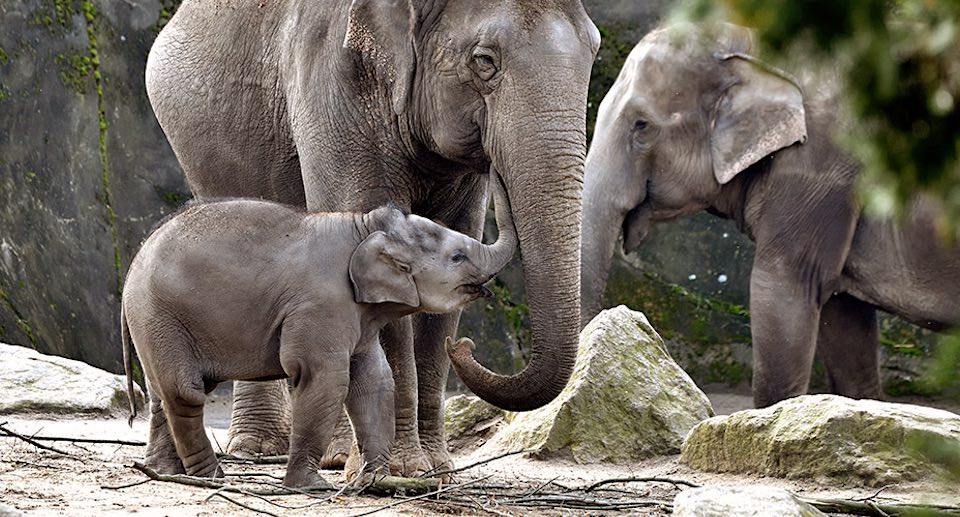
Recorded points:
(756, 501)
(31, 382)
(626, 400)
(825, 437)
(469, 421)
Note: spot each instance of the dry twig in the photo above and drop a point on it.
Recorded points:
(672, 481)
(31, 441)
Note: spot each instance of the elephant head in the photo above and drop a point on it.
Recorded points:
(690, 110)
(417, 262)
(500, 84)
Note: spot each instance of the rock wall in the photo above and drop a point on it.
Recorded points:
(84, 169)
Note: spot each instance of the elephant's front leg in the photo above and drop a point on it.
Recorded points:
(260, 419)
(370, 404)
(433, 365)
(783, 321)
(408, 457)
(848, 344)
(318, 363)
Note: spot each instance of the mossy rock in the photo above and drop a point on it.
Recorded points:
(626, 400)
(469, 421)
(828, 438)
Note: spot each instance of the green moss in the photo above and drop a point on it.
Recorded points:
(172, 198)
(74, 71)
(167, 9)
(4, 58)
(21, 321)
(517, 314)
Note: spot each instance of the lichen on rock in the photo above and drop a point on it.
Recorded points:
(825, 437)
(626, 400)
(469, 421)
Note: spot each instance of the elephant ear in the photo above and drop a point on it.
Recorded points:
(379, 275)
(760, 114)
(382, 32)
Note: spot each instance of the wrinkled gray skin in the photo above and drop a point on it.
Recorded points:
(253, 290)
(347, 105)
(693, 123)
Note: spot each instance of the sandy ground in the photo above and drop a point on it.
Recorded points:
(40, 482)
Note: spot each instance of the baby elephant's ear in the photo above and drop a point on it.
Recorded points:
(378, 276)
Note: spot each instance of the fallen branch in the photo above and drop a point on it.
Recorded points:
(254, 460)
(672, 481)
(87, 440)
(876, 509)
(31, 441)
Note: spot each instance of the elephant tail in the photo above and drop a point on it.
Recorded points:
(128, 364)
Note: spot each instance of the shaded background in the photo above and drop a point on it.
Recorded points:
(85, 172)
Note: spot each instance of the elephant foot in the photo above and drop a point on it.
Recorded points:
(335, 458)
(165, 464)
(439, 459)
(306, 479)
(409, 460)
(252, 444)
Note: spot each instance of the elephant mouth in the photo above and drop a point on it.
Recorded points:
(475, 290)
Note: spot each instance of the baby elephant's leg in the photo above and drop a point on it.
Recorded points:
(184, 410)
(370, 405)
(161, 453)
(320, 374)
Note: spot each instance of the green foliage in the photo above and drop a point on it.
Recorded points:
(900, 61)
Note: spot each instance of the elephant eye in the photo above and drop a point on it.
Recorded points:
(640, 125)
(458, 257)
(484, 63)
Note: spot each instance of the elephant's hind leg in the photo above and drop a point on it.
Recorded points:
(184, 410)
(161, 454)
(848, 344)
(260, 419)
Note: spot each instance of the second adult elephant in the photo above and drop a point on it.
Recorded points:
(695, 122)
(344, 106)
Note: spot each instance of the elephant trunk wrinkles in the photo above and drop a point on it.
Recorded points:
(496, 256)
(601, 226)
(544, 190)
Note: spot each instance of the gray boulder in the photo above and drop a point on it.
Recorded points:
(825, 437)
(469, 421)
(755, 501)
(31, 382)
(626, 400)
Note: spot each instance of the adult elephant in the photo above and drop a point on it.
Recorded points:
(695, 122)
(344, 105)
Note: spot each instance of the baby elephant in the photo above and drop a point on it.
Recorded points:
(252, 290)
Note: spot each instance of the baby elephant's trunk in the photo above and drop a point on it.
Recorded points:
(496, 256)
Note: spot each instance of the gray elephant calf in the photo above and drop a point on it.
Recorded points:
(253, 290)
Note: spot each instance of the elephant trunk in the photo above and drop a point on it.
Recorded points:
(544, 190)
(601, 227)
(496, 256)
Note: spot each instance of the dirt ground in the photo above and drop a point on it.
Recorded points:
(41, 482)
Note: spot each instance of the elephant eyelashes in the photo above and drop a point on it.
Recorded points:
(458, 258)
